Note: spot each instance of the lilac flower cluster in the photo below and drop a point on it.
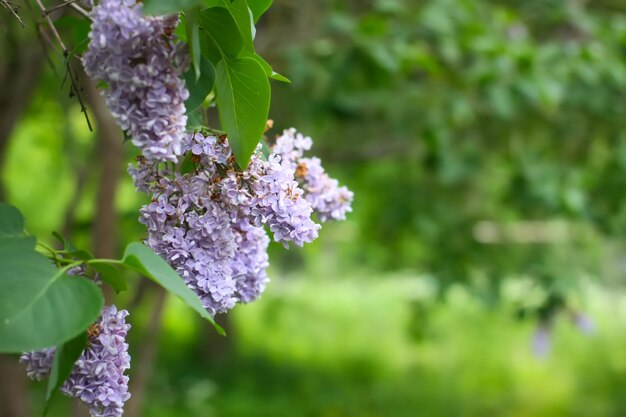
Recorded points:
(208, 220)
(141, 63)
(98, 377)
(328, 200)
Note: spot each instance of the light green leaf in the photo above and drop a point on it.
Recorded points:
(269, 71)
(258, 7)
(279, 77)
(144, 261)
(243, 100)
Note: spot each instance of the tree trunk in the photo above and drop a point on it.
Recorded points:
(19, 74)
(111, 158)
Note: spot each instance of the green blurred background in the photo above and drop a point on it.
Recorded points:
(482, 270)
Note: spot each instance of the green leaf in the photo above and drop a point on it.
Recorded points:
(76, 31)
(243, 100)
(279, 77)
(268, 69)
(194, 118)
(71, 250)
(64, 358)
(161, 7)
(201, 87)
(11, 221)
(65, 308)
(193, 39)
(220, 37)
(24, 274)
(110, 275)
(143, 260)
(241, 16)
(258, 7)
(39, 306)
(67, 245)
(187, 165)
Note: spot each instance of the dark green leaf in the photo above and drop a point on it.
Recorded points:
(201, 87)
(111, 276)
(11, 221)
(143, 260)
(161, 7)
(194, 119)
(67, 245)
(71, 250)
(241, 16)
(64, 358)
(78, 30)
(243, 99)
(258, 7)
(220, 36)
(193, 40)
(187, 165)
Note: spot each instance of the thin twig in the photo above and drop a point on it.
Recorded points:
(74, 90)
(58, 6)
(13, 7)
(46, 43)
(79, 9)
(52, 27)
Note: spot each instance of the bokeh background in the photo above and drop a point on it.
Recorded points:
(482, 271)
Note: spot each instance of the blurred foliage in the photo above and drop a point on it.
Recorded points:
(444, 113)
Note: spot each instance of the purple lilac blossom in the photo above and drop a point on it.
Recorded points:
(141, 63)
(97, 377)
(328, 200)
(208, 221)
(584, 323)
(250, 263)
(278, 202)
(542, 342)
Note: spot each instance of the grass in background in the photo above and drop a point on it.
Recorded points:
(388, 347)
